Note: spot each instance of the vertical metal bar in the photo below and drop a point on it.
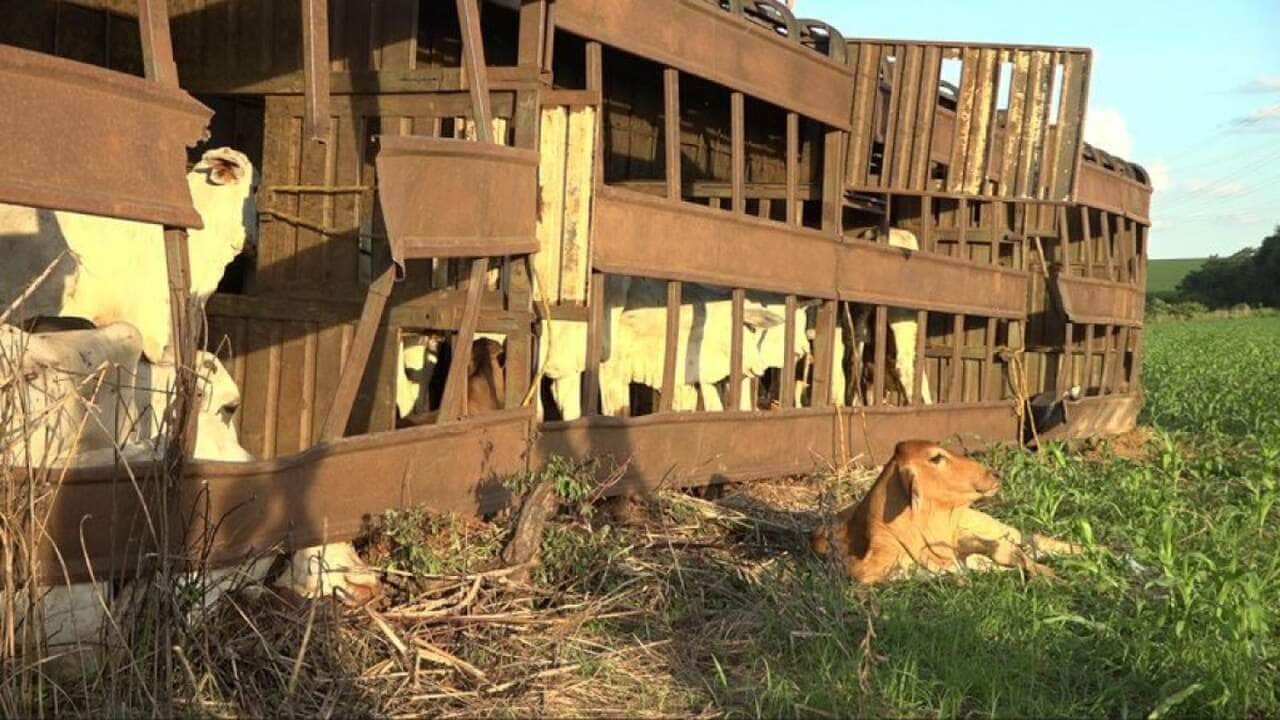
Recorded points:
(955, 393)
(353, 369)
(989, 363)
(787, 391)
(451, 405)
(1067, 361)
(315, 68)
(735, 349)
(922, 333)
(595, 344)
(881, 354)
(669, 349)
(1089, 350)
(793, 169)
(157, 44)
(477, 72)
(738, 151)
(671, 105)
(595, 81)
(824, 354)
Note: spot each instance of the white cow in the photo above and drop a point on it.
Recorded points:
(115, 270)
(635, 341)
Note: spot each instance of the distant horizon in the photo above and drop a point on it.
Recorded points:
(1190, 92)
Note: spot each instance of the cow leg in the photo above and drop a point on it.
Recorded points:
(711, 401)
(903, 325)
(979, 533)
(685, 398)
(567, 392)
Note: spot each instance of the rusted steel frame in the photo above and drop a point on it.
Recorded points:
(315, 68)
(670, 346)
(955, 393)
(638, 234)
(671, 130)
(824, 353)
(1108, 190)
(699, 38)
(1101, 302)
(475, 68)
(989, 363)
(1067, 360)
(922, 334)
(736, 375)
(793, 169)
(357, 360)
(595, 83)
(738, 150)
(1094, 417)
(833, 182)
(445, 198)
(454, 399)
(880, 361)
(84, 139)
(595, 345)
(326, 494)
(787, 395)
(157, 43)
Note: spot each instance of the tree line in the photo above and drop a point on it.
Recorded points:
(1249, 277)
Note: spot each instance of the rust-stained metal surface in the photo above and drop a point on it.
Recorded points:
(1099, 302)
(448, 198)
(117, 143)
(1093, 417)
(897, 132)
(332, 491)
(642, 235)
(1109, 183)
(698, 37)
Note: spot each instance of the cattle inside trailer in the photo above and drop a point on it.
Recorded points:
(684, 241)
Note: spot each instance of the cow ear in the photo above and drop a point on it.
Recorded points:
(911, 485)
(224, 169)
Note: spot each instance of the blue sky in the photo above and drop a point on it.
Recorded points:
(1190, 90)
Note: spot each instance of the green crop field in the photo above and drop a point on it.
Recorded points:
(1164, 275)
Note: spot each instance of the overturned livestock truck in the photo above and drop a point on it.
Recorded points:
(713, 240)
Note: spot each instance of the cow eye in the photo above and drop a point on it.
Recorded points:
(938, 459)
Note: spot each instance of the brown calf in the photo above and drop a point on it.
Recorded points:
(486, 384)
(917, 517)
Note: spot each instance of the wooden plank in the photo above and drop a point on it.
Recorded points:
(157, 45)
(892, 114)
(518, 290)
(1015, 117)
(955, 392)
(1108, 339)
(671, 126)
(315, 68)
(787, 389)
(988, 76)
(736, 374)
(595, 345)
(927, 242)
(926, 113)
(738, 151)
(1070, 125)
(880, 363)
(1037, 110)
(293, 388)
(1086, 232)
(575, 251)
(962, 224)
(1089, 350)
(1121, 379)
(452, 404)
(906, 118)
(866, 91)
(1067, 360)
(670, 346)
(399, 35)
(965, 109)
(1105, 230)
(335, 425)
(595, 83)
(551, 201)
(330, 354)
(989, 364)
(833, 182)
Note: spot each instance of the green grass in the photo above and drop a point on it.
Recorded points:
(1182, 618)
(1163, 276)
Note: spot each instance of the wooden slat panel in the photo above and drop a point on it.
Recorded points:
(575, 253)
(670, 346)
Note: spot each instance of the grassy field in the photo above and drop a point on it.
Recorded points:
(694, 608)
(1164, 275)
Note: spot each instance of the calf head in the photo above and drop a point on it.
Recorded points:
(937, 479)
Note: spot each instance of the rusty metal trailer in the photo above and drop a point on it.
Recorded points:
(688, 141)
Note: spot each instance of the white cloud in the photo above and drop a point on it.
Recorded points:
(1221, 189)
(1263, 84)
(1161, 180)
(1105, 128)
(1265, 119)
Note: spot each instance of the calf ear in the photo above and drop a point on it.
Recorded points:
(224, 168)
(911, 484)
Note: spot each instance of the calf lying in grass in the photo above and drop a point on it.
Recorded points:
(917, 517)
